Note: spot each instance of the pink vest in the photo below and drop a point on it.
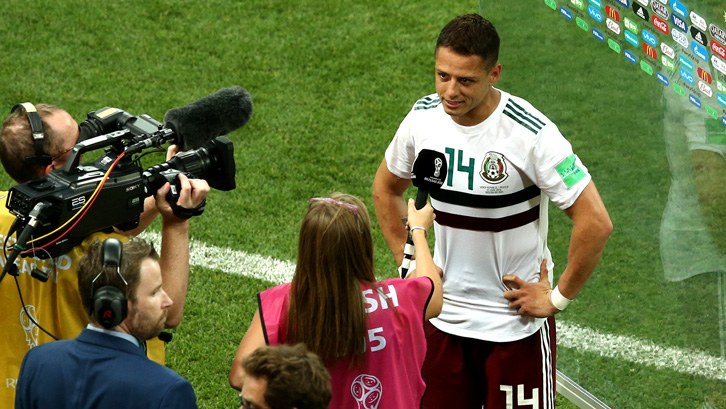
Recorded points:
(391, 375)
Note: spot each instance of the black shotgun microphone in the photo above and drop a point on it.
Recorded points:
(215, 115)
(429, 173)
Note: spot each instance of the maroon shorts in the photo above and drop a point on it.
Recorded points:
(466, 373)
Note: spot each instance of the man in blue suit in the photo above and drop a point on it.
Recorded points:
(106, 365)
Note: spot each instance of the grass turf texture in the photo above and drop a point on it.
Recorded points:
(331, 81)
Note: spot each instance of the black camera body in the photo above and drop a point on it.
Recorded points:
(119, 203)
(79, 199)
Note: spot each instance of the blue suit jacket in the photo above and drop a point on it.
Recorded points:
(97, 370)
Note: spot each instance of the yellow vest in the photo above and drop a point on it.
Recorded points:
(55, 305)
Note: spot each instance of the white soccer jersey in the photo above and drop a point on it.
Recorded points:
(488, 211)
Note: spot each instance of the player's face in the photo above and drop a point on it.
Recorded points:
(147, 315)
(465, 86)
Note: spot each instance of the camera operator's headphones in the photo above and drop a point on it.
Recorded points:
(36, 129)
(109, 304)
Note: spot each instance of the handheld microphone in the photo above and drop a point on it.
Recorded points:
(429, 173)
(215, 115)
(37, 215)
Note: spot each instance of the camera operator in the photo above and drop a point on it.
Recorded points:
(56, 305)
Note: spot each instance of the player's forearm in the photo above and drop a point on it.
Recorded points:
(391, 208)
(586, 247)
(174, 262)
(391, 213)
(590, 231)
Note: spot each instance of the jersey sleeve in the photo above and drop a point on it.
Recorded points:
(401, 152)
(558, 171)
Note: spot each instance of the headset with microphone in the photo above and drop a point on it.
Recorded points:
(109, 303)
(36, 128)
(110, 306)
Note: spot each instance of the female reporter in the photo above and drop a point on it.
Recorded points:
(369, 334)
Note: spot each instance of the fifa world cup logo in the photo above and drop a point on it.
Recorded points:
(31, 330)
(367, 391)
(437, 164)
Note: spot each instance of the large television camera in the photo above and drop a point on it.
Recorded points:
(56, 212)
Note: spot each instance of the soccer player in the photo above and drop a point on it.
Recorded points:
(494, 342)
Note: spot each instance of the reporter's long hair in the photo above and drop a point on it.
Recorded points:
(335, 255)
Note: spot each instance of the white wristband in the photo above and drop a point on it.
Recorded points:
(558, 300)
(412, 228)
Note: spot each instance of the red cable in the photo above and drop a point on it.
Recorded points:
(103, 182)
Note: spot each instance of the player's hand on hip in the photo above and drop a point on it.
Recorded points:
(530, 298)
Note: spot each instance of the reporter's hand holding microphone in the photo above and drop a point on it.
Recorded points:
(419, 224)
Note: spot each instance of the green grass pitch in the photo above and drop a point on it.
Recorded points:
(331, 80)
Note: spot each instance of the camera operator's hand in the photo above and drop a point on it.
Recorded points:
(171, 151)
(192, 194)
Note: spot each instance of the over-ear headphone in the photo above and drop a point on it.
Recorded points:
(109, 304)
(36, 128)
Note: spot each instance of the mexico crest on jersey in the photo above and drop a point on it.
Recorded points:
(493, 168)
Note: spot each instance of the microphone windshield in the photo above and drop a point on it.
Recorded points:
(429, 170)
(215, 115)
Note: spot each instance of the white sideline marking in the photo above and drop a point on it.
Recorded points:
(233, 261)
(640, 351)
(569, 335)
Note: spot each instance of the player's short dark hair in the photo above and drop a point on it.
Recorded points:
(134, 252)
(295, 376)
(471, 34)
